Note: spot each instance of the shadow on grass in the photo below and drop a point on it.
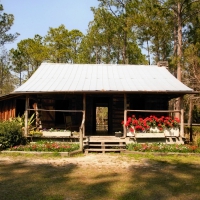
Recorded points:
(164, 181)
(151, 180)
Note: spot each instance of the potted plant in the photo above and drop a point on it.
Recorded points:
(118, 134)
(35, 133)
(171, 126)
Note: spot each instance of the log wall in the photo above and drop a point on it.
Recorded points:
(7, 109)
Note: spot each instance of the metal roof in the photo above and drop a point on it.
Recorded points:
(57, 77)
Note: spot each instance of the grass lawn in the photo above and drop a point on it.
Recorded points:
(145, 177)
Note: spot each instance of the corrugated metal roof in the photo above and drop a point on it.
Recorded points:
(56, 77)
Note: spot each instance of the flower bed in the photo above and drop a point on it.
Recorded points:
(152, 124)
(47, 147)
(159, 147)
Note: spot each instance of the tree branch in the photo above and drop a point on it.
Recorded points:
(185, 19)
(190, 3)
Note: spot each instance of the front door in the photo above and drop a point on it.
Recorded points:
(101, 116)
(101, 110)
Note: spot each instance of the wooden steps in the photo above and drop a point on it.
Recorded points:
(104, 144)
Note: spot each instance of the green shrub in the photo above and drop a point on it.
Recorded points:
(196, 129)
(198, 141)
(11, 134)
(21, 121)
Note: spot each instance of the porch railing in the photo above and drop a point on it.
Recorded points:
(81, 129)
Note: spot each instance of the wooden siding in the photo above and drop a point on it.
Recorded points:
(7, 109)
(147, 102)
(117, 112)
(89, 115)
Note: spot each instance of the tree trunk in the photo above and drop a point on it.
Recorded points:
(179, 47)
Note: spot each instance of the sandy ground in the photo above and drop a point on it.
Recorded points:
(98, 160)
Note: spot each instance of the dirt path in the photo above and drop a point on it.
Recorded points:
(98, 160)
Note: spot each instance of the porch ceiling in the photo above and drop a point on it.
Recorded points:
(108, 78)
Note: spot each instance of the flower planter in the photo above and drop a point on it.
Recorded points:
(36, 135)
(150, 135)
(129, 132)
(154, 130)
(56, 133)
(171, 132)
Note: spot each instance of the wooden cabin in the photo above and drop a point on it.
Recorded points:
(57, 92)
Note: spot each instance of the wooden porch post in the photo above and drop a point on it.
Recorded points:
(125, 113)
(182, 118)
(82, 129)
(26, 116)
(190, 117)
(84, 109)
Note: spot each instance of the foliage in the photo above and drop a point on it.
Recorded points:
(63, 45)
(47, 146)
(35, 133)
(196, 129)
(192, 65)
(198, 142)
(111, 40)
(145, 124)
(11, 134)
(101, 114)
(7, 79)
(159, 147)
(29, 55)
(6, 22)
(21, 121)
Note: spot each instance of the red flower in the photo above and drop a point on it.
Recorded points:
(132, 129)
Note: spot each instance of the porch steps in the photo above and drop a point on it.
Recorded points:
(104, 144)
(174, 140)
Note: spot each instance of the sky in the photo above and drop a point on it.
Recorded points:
(36, 16)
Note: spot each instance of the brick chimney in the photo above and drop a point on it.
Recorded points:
(162, 63)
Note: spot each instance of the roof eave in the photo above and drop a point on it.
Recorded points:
(100, 91)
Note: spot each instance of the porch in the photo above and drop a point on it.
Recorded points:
(85, 129)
